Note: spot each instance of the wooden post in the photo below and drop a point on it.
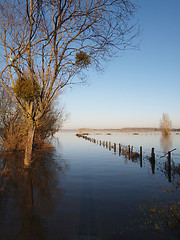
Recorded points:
(153, 161)
(141, 156)
(140, 151)
(109, 146)
(114, 147)
(129, 147)
(106, 144)
(119, 149)
(169, 157)
(152, 153)
(169, 166)
(100, 142)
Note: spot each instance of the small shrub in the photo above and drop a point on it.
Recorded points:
(13, 135)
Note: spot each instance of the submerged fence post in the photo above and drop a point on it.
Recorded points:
(169, 158)
(140, 151)
(114, 147)
(169, 166)
(141, 156)
(109, 146)
(153, 154)
(153, 161)
(119, 149)
(129, 147)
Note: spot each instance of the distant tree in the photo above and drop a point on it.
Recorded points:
(46, 43)
(165, 124)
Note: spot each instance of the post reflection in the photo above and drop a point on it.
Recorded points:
(34, 193)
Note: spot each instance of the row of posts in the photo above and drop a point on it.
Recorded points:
(105, 143)
(110, 145)
(129, 152)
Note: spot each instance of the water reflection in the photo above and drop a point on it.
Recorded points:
(101, 198)
(28, 195)
(166, 142)
(153, 163)
(167, 166)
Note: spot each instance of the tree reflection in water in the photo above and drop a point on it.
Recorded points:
(28, 196)
(166, 142)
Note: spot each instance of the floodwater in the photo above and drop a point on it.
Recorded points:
(84, 190)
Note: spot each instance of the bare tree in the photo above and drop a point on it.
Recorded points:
(165, 124)
(46, 43)
(13, 125)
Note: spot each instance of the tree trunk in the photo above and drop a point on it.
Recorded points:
(29, 145)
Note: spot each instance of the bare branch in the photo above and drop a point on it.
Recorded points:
(41, 38)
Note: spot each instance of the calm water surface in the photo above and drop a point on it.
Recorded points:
(81, 190)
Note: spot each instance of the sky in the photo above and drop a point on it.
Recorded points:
(138, 86)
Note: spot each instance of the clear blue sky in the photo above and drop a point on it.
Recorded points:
(138, 86)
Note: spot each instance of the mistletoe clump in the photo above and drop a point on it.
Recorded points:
(27, 89)
(82, 59)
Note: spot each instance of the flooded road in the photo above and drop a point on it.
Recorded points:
(81, 190)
